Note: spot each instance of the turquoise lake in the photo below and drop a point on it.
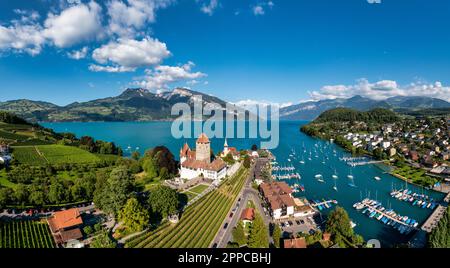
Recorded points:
(141, 136)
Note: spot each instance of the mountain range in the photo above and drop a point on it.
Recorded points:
(143, 105)
(402, 104)
(132, 105)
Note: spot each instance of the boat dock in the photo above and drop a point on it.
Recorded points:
(415, 199)
(434, 219)
(363, 163)
(387, 216)
(323, 204)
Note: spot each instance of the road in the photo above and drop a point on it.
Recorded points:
(247, 194)
(223, 233)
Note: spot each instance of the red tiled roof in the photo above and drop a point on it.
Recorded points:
(65, 219)
(248, 214)
(295, 243)
(203, 138)
(278, 194)
(217, 165)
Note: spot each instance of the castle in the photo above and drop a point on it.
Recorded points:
(198, 163)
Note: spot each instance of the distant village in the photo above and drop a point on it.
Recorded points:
(424, 143)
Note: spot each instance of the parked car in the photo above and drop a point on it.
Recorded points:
(225, 226)
(290, 223)
(298, 222)
(311, 231)
(282, 224)
(287, 224)
(231, 214)
(215, 245)
(302, 221)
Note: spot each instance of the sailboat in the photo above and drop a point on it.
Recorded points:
(319, 178)
(351, 175)
(302, 161)
(335, 187)
(335, 176)
(352, 182)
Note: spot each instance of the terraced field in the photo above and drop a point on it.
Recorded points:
(66, 154)
(55, 154)
(25, 234)
(199, 223)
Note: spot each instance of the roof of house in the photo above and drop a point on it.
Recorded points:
(295, 243)
(248, 214)
(71, 234)
(275, 188)
(203, 138)
(216, 165)
(65, 219)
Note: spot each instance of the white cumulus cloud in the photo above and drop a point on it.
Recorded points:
(162, 76)
(110, 69)
(73, 25)
(128, 17)
(381, 90)
(131, 54)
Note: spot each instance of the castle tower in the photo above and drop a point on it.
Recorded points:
(225, 148)
(203, 148)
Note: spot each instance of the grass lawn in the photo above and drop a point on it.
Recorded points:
(199, 188)
(190, 195)
(4, 181)
(417, 176)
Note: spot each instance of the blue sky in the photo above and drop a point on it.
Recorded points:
(281, 51)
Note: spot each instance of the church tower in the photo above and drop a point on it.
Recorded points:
(203, 148)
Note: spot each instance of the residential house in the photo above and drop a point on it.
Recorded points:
(65, 225)
(278, 197)
(248, 215)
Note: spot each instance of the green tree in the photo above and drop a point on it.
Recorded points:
(57, 193)
(247, 161)
(163, 201)
(259, 235)
(115, 192)
(103, 241)
(239, 234)
(150, 168)
(134, 216)
(338, 222)
(440, 236)
(276, 235)
(5, 196)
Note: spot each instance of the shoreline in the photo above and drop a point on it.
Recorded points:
(370, 156)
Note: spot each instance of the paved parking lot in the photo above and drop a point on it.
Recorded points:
(294, 226)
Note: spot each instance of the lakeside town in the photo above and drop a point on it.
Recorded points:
(235, 198)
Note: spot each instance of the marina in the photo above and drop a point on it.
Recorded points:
(374, 209)
(420, 200)
(324, 204)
